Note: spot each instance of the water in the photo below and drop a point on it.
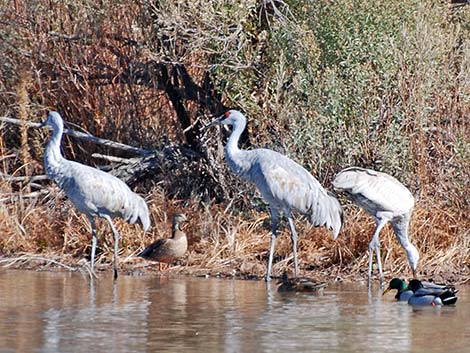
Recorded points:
(61, 312)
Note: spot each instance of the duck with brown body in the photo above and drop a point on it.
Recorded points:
(299, 284)
(168, 250)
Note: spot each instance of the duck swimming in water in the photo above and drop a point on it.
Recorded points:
(299, 284)
(431, 294)
(403, 292)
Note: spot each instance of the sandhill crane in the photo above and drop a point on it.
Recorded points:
(282, 182)
(92, 191)
(385, 199)
(168, 250)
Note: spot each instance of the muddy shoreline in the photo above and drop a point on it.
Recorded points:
(134, 266)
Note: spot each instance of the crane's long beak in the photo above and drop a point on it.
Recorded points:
(213, 123)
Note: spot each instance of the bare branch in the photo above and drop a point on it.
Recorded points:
(29, 257)
(13, 197)
(29, 179)
(84, 136)
(112, 158)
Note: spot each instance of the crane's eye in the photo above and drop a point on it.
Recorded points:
(227, 114)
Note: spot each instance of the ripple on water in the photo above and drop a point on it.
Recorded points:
(61, 312)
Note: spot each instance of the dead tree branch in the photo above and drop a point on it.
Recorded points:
(85, 137)
(29, 179)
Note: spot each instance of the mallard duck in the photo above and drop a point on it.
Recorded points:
(168, 250)
(403, 292)
(431, 294)
(299, 284)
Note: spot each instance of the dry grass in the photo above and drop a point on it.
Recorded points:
(223, 243)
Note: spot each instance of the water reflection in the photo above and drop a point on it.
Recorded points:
(99, 325)
(63, 312)
(343, 320)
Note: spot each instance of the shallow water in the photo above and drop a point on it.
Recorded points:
(62, 312)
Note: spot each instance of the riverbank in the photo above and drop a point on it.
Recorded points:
(210, 258)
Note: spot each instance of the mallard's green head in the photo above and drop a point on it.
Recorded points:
(396, 283)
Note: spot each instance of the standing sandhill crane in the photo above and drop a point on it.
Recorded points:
(283, 183)
(168, 250)
(92, 191)
(385, 199)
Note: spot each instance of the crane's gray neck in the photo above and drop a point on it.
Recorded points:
(234, 155)
(53, 157)
(400, 227)
(232, 143)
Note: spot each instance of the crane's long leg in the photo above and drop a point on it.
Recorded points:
(379, 264)
(274, 213)
(293, 236)
(375, 244)
(369, 270)
(116, 244)
(94, 240)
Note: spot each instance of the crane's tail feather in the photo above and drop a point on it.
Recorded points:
(138, 212)
(328, 212)
(144, 215)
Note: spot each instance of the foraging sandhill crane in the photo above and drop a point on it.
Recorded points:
(283, 183)
(92, 191)
(385, 199)
(168, 250)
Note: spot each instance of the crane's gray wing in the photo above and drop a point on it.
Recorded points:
(98, 193)
(288, 185)
(380, 189)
